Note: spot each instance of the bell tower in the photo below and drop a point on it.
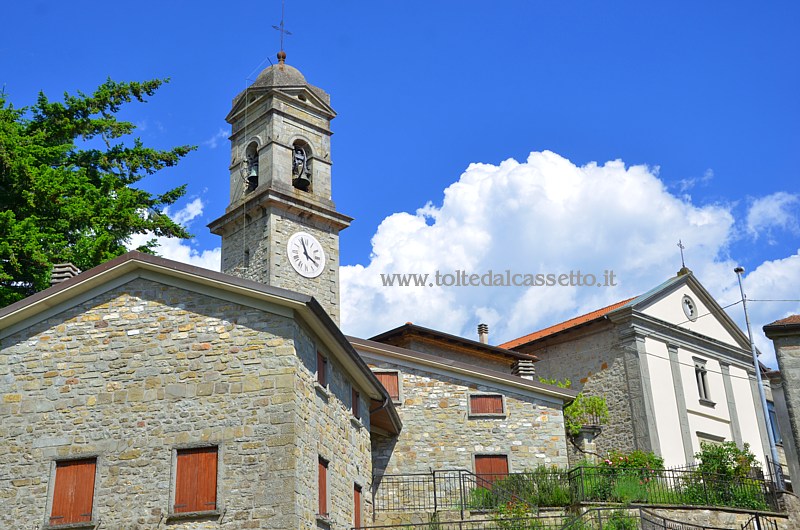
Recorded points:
(281, 227)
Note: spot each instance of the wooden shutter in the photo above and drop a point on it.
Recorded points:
(356, 505)
(391, 383)
(486, 404)
(322, 486)
(489, 468)
(73, 492)
(356, 400)
(322, 372)
(196, 480)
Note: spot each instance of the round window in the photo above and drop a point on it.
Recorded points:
(689, 307)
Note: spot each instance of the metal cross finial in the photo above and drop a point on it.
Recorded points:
(283, 31)
(680, 246)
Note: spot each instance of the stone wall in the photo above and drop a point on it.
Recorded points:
(787, 351)
(594, 363)
(265, 237)
(146, 368)
(438, 433)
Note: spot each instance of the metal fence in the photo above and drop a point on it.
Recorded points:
(463, 490)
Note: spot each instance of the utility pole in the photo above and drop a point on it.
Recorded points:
(776, 466)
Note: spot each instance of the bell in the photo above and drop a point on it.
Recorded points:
(301, 182)
(253, 171)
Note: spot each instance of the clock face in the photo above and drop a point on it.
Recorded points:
(689, 308)
(306, 254)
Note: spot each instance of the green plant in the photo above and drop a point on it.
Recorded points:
(516, 515)
(621, 520)
(585, 410)
(565, 383)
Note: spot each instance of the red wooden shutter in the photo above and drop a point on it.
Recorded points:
(486, 404)
(322, 486)
(322, 364)
(390, 382)
(356, 505)
(196, 480)
(489, 468)
(73, 492)
(356, 399)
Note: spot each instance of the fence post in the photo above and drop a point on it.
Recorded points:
(435, 504)
(461, 494)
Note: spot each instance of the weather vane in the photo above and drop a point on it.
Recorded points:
(680, 246)
(281, 29)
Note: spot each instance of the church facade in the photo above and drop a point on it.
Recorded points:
(674, 369)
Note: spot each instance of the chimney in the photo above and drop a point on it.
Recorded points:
(483, 333)
(524, 369)
(63, 272)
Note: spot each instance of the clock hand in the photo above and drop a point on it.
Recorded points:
(305, 251)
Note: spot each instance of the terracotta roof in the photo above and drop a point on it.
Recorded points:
(567, 324)
(793, 319)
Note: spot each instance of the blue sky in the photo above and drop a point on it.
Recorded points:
(701, 96)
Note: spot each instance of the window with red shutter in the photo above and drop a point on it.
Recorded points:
(486, 404)
(489, 468)
(322, 487)
(196, 480)
(322, 370)
(391, 382)
(73, 492)
(356, 505)
(356, 400)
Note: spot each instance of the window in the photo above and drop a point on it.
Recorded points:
(356, 400)
(322, 487)
(488, 404)
(710, 439)
(702, 381)
(73, 492)
(356, 505)
(391, 382)
(489, 468)
(773, 422)
(196, 480)
(322, 370)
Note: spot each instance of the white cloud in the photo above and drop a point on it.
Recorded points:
(214, 141)
(181, 249)
(545, 215)
(689, 183)
(779, 210)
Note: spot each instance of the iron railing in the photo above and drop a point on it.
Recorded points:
(463, 490)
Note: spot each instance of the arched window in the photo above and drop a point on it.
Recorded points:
(301, 165)
(251, 166)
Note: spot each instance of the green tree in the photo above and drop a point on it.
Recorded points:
(66, 185)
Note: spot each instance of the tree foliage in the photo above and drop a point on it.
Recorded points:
(66, 185)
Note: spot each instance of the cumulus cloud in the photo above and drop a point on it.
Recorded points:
(180, 249)
(215, 140)
(777, 211)
(542, 216)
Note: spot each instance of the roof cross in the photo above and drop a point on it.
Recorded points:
(680, 246)
(282, 29)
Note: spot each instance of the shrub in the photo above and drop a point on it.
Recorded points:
(585, 410)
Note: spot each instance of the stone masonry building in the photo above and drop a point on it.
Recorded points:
(145, 393)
